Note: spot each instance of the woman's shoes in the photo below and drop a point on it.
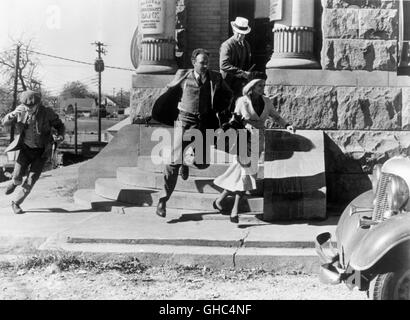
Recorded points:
(220, 210)
(234, 219)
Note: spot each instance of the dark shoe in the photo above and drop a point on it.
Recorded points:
(162, 209)
(234, 219)
(220, 210)
(10, 188)
(184, 172)
(16, 208)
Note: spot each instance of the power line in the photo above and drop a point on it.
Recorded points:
(60, 58)
(83, 81)
(119, 68)
(77, 61)
(57, 80)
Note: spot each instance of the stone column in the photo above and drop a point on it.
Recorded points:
(293, 34)
(157, 37)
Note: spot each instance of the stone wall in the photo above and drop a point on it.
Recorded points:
(365, 123)
(358, 99)
(360, 35)
(331, 107)
(145, 90)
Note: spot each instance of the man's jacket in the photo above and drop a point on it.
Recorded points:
(166, 111)
(45, 120)
(230, 61)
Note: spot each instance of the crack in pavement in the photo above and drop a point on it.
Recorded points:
(241, 244)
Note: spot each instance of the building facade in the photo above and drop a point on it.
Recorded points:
(338, 66)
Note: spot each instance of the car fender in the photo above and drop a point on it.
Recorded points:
(380, 240)
(347, 234)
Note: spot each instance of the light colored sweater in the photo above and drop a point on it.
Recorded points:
(244, 108)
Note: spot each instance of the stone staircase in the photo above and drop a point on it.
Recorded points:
(291, 182)
(140, 186)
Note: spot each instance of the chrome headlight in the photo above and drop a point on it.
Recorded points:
(397, 195)
(377, 173)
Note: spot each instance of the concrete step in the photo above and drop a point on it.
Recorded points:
(217, 156)
(89, 199)
(214, 170)
(133, 176)
(139, 196)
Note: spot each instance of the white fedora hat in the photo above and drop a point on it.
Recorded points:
(241, 25)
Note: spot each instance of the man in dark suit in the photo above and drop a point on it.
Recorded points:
(202, 98)
(235, 57)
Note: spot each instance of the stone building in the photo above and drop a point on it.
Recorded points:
(338, 66)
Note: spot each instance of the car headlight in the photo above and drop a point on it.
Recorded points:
(397, 195)
(377, 173)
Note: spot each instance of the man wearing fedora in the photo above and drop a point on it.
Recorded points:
(235, 57)
(35, 124)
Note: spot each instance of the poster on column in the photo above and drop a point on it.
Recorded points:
(276, 10)
(152, 16)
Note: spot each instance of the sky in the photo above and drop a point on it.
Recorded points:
(67, 28)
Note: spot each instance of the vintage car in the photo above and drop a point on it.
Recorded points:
(373, 237)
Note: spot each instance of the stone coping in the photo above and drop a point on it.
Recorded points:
(336, 78)
(301, 77)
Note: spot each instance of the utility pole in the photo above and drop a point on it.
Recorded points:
(99, 67)
(121, 98)
(76, 128)
(16, 79)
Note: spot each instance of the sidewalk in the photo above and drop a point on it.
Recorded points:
(53, 222)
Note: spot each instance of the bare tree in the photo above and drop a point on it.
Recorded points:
(27, 71)
(6, 100)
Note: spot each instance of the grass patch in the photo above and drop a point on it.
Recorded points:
(69, 262)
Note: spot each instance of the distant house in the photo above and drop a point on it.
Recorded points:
(107, 103)
(84, 106)
(88, 106)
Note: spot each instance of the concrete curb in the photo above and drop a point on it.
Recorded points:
(283, 260)
(268, 259)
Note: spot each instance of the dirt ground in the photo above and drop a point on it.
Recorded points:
(50, 283)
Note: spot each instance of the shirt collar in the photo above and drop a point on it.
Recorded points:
(198, 76)
(242, 43)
